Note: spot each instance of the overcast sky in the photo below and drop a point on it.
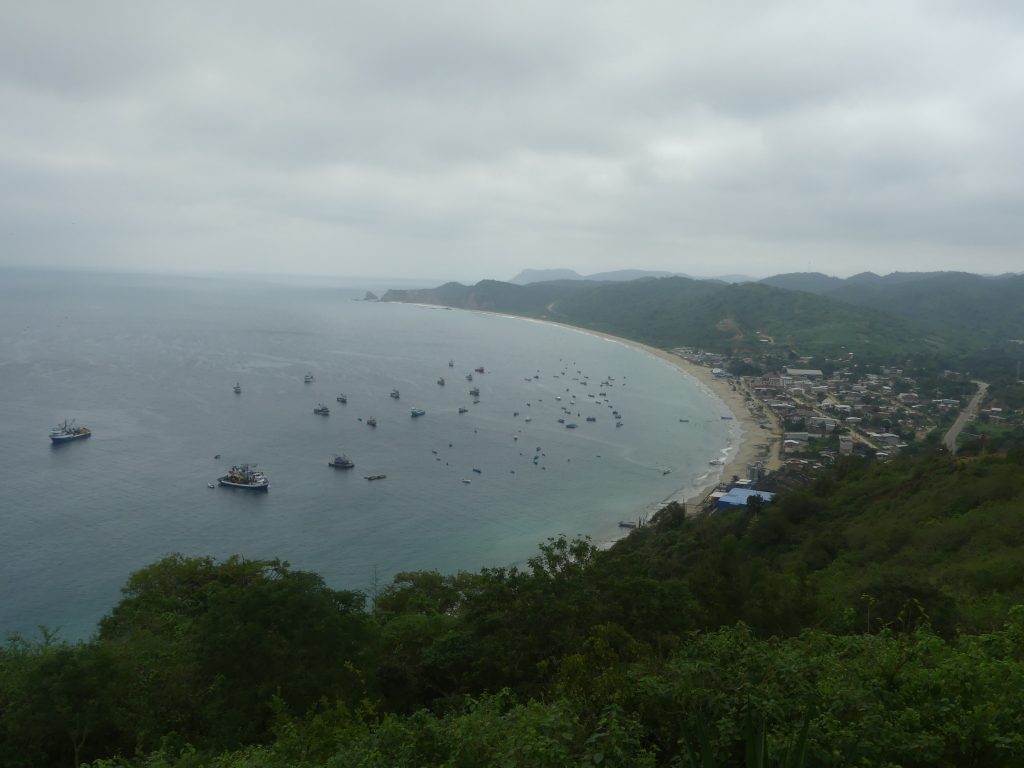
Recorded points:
(468, 140)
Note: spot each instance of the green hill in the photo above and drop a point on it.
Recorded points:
(985, 308)
(678, 311)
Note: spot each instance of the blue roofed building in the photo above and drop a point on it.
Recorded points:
(738, 497)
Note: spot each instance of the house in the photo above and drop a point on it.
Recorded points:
(807, 373)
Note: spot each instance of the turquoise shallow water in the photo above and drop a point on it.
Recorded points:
(148, 364)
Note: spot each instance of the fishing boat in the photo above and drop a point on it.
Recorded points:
(591, 418)
(475, 392)
(66, 432)
(342, 398)
(479, 370)
(322, 410)
(341, 461)
(237, 388)
(463, 409)
(246, 477)
(308, 378)
(451, 363)
(415, 412)
(440, 382)
(395, 394)
(371, 422)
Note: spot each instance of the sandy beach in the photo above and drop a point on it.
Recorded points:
(748, 441)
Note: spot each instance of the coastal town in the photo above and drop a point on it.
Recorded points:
(808, 419)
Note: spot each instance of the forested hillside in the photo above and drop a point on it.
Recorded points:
(679, 311)
(986, 308)
(869, 619)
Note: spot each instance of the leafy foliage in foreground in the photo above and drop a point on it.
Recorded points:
(868, 620)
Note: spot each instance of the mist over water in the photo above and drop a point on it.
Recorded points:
(148, 363)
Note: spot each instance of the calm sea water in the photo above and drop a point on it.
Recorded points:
(148, 363)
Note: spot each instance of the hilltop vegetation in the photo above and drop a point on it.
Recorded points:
(869, 619)
(985, 308)
(679, 311)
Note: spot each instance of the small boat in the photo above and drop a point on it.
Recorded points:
(395, 394)
(626, 524)
(440, 382)
(467, 481)
(477, 470)
(528, 419)
(479, 370)
(618, 423)
(561, 421)
(374, 477)
(451, 363)
(322, 410)
(217, 456)
(683, 421)
(371, 422)
(246, 477)
(716, 462)
(591, 418)
(727, 418)
(66, 432)
(666, 471)
(342, 398)
(341, 462)
(469, 377)
(463, 409)
(475, 392)
(210, 485)
(571, 425)
(415, 412)
(308, 378)
(237, 388)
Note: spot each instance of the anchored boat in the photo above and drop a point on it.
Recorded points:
(245, 476)
(66, 432)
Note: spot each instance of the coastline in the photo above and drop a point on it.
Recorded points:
(748, 442)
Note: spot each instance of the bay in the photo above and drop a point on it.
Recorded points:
(148, 363)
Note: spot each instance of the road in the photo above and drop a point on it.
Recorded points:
(965, 415)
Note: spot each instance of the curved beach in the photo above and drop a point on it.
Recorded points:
(748, 442)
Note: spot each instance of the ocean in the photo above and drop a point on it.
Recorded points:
(148, 364)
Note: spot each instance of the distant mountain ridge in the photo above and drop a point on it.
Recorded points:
(528, 276)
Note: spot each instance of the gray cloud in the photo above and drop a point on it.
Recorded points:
(462, 140)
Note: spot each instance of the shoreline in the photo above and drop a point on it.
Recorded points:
(743, 447)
